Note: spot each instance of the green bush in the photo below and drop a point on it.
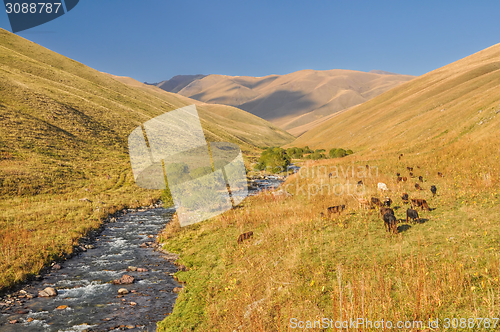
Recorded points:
(273, 160)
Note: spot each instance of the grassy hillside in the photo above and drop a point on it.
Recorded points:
(63, 138)
(460, 100)
(300, 264)
(293, 101)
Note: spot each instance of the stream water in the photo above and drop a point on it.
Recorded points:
(87, 300)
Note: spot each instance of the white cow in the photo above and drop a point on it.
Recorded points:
(382, 186)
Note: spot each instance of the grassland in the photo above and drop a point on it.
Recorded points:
(301, 265)
(63, 138)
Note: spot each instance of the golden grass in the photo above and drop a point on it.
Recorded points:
(63, 137)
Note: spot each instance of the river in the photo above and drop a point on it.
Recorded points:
(87, 300)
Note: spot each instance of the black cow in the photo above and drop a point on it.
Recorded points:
(421, 178)
(412, 214)
(387, 202)
(433, 190)
(404, 197)
(390, 223)
(417, 186)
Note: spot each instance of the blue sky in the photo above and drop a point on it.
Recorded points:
(153, 40)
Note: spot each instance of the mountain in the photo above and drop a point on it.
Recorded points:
(64, 163)
(294, 101)
(460, 101)
(177, 83)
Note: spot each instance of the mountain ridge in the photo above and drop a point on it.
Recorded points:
(294, 100)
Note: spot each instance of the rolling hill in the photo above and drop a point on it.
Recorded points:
(293, 101)
(304, 261)
(64, 161)
(460, 101)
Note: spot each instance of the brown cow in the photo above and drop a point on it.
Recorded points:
(335, 209)
(400, 179)
(384, 210)
(417, 186)
(404, 197)
(404, 178)
(410, 169)
(421, 178)
(440, 174)
(411, 174)
(376, 201)
(245, 236)
(422, 203)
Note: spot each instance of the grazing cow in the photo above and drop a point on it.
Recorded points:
(360, 182)
(411, 174)
(367, 166)
(410, 169)
(397, 174)
(388, 201)
(400, 156)
(390, 223)
(245, 236)
(336, 209)
(404, 178)
(422, 203)
(400, 179)
(412, 214)
(421, 178)
(384, 210)
(382, 186)
(440, 174)
(433, 190)
(330, 175)
(417, 186)
(376, 201)
(404, 197)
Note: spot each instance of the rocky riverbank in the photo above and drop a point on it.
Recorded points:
(117, 278)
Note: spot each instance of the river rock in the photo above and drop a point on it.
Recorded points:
(56, 267)
(13, 321)
(47, 292)
(132, 268)
(177, 289)
(125, 280)
(141, 269)
(62, 307)
(122, 291)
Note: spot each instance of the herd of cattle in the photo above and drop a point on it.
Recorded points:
(387, 214)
